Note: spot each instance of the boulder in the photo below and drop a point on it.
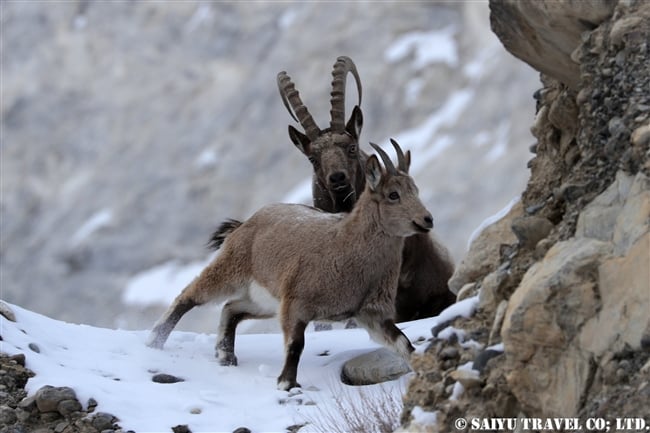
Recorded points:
(484, 253)
(378, 366)
(586, 301)
(544, 34)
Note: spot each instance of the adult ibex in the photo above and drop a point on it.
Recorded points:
(338, 180)
(311, 265)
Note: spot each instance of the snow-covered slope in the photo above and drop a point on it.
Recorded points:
(115, 368)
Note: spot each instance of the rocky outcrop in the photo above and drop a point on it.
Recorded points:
(545, 34)
(569, 292)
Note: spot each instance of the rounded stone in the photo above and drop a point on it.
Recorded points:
(49, 397)
(377, 366)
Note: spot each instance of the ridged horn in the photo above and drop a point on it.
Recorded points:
(401, 160)
(293, 103)
(384, 157)
(340, 71)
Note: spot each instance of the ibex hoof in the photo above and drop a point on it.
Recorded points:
(155, 342)
(227, 359)
(286, 385)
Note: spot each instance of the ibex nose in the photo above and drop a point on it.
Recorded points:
(337, 178)
(428, 220)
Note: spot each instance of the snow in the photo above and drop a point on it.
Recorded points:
(300, 194)
(207, 159)
(502, 136)
(97, 221)
(437, 46)
(421, 138)
(422, 417)
(161, 284)
(464, 308)
(115, 368)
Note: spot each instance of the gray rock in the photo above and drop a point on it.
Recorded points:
(7, 415)
(49, 397)
(68, 407)
(377, 366)
(103, 421)
(166, 378)
(6, 312)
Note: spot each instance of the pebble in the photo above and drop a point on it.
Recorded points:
(34, 347)
(166, 378)
(449, 352)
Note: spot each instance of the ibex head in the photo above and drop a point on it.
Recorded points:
(396, 195)
(333, 152)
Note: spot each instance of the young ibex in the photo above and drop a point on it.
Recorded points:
(312, 266)
(338, 180)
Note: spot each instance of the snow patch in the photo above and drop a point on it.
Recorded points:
(300, 194)
(491, 220)
(98, 220)
(207, 159)
(437, 46)
(423, 417)
(500, 145)
(161, 284)
(115, 368)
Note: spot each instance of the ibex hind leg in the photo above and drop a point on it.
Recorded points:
(210, 285)
(232, 314)
(168, 321)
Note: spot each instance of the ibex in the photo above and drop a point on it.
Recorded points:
(338, 180)
(311, 265)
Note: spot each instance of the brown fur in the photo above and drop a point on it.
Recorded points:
(318, 266)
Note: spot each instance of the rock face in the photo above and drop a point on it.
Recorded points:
(569, 293)
(545, 34)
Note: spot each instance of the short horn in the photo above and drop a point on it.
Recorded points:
(293, 103)
(340, 71)
(384, 157)
(401, 159)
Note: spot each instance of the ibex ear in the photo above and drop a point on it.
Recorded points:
(407, 158)
(299, 139)
(353, 127)
(373, 172)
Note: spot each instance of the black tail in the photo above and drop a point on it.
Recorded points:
(220, 235)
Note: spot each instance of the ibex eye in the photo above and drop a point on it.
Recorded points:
(352, 149)
(393, 195)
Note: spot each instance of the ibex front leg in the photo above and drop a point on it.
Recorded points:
(294, 341)
(384, 331)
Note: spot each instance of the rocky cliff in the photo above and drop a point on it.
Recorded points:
(564, 278)
(131, 129)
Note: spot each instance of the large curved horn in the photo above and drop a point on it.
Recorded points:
(401, 160)
(340, 71)
(293, 103)
(384, 157)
